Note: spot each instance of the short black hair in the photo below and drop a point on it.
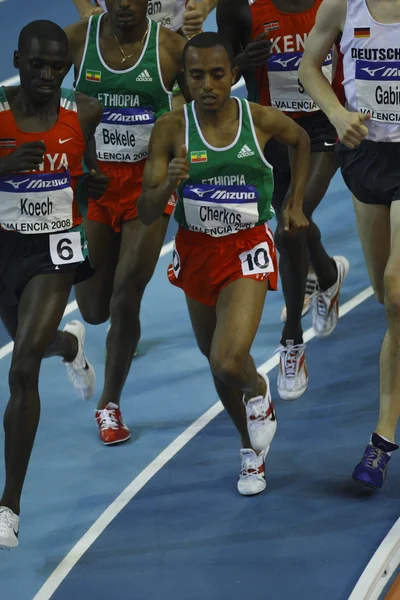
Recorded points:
(209, 39)
(42, 30)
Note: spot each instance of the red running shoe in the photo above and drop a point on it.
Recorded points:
(112, 428)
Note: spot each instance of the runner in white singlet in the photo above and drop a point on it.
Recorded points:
(369, 153)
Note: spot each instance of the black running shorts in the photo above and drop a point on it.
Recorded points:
(372, 171)
(22, 256)
(323, 138)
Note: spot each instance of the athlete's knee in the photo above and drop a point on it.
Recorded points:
(289, 242)
(24, 373)
(229, 367)
(95, 315)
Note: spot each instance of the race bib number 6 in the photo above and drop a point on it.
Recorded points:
(65, 248)
(257, 260)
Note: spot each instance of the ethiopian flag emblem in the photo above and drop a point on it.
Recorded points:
(197, 157)
(93, 75)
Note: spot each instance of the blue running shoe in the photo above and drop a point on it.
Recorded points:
(371, 471)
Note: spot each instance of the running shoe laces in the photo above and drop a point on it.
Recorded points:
(249, 464)
(375, 458)
(289, 357)
(108, 419)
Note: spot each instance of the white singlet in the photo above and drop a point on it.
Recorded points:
(371, 61)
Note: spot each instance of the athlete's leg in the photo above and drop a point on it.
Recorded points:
(94, 295)
(204, 322)
(296, 252)
(39, 313)
(225, 336)
(390, 354)
(139, 252)
(373, 223)
(63, 344)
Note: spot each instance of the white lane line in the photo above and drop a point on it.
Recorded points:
(68, 563)
(380, 568)
(72, 306)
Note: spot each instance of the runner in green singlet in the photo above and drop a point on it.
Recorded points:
(129, 63)
(224, 259)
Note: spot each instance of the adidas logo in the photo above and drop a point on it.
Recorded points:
(245, 151)
(144, 76)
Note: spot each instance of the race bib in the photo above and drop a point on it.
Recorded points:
(124, 134)
(66, 248)
(258, 260)
(378, 89)
(36, 203)
(219, 210)
(286, 91)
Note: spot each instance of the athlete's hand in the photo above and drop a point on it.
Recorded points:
(96, 184)
(293, 219)
(178, 169)
(93, 11)
(193, 18)
(257, 51)
(27, 157)
(350, 127)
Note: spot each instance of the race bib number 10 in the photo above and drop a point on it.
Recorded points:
(257, 260)
(65, 248)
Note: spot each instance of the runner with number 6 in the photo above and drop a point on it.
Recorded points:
(45, 133)
(211, 151)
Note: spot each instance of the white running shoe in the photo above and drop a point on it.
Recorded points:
(9, 525)
(80, 372)
(293, 374)
(261, 419)
(326, 304)
(252, 474)
(311, 289)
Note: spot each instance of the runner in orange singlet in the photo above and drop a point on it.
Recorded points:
(45, 133)
(269, 38)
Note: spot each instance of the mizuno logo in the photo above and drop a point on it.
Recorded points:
(245, 151)
(60, 141)
(200, 192)
(16, 184)
(285, 63)
(372, 71)
(144, 76)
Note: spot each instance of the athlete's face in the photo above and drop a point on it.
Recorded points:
(127, 14)
(42, 66)
(209, 76)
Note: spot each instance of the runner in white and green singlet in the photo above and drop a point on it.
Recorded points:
(211, 151)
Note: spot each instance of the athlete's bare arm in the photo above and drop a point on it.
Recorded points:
(90, 112)
(171, 60)
(86, 8)
(329, 24)
(272, 123)
(234, 22)
(76, 34)
(166, 166)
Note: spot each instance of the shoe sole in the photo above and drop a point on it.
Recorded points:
(255, 493)
(364, 484)
(117, 442)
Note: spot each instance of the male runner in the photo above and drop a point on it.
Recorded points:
(45, 132)
(224, 260)
(130, 64)
(188, 15)
(369, 130)
(268, 37)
